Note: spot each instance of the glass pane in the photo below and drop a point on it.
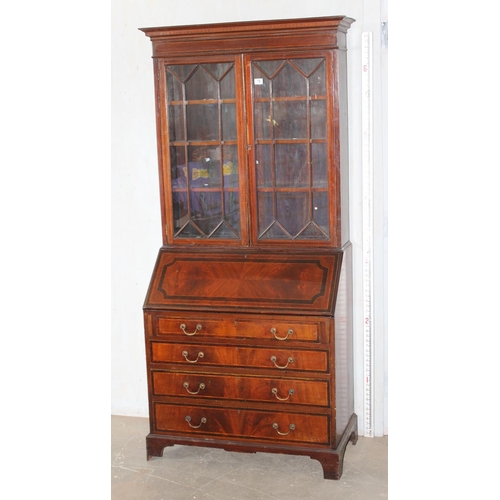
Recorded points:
(289, 83)
(224, 231)
(189, 231)
(232, 209)
(275, 232)
(290, 120)
(307, 66)
(291, 165)
(182, 70)
(180, 209)
(201, 85)
(179, 194)
(260, 84)
(227, 86)
(312, 232)
(205, 194)
(319, 165)
(263, 165)
(206, 210)
(293, 211)
(230, 166)
(178, 169)
(204, 166)
(262, 119)
(270, 67)
(320, 210)
(202, 122)
(318, 119)
(317, 82)
(229, 122)
(174, 88)
(265, 210)
(175, 123)
(217, 69)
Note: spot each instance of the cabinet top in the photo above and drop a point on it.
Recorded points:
(246, 36)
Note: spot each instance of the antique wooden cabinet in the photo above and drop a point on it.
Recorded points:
(248, 313)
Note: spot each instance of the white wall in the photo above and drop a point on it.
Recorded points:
(136, 228)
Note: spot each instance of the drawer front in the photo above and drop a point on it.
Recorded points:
(203, 327)
(268, 390)
(247, 357)
(236, 423)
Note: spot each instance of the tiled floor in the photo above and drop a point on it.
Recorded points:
(193, 473)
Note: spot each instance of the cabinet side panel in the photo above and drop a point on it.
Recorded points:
(344, 377)
(340, 74)
(148, 332)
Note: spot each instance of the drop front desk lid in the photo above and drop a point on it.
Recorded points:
(245, 281)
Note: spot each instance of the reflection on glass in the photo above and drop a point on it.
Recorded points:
(230, 166)
(262, 119)
(290, 120)
(202, 122)
(263, 165)
(291, 165)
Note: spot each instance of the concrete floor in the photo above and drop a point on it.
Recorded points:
(193, 473)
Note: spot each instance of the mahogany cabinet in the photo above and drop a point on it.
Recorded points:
(247, 317)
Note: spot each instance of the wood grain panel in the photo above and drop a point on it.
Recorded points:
(244, 329)
(242, 423)
(248, 357)
(208, 386)
(243, 280)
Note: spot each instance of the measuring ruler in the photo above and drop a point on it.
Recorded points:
(367, 167)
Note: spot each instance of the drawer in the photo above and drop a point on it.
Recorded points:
(270, 329)
(258, 389)
(228, 423)
(247, 357)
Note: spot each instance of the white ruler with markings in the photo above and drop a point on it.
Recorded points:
(367, 168)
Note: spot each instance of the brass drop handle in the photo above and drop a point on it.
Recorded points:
(203, 421)
(274, 390)
(290, 332)
(185, 354)
(273, 359)
(200, 387)
(276, 428)
(198, 328)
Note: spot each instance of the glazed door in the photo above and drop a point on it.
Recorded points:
(290, 136)
(203, 180)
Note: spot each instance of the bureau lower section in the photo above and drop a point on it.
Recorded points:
(246, 382)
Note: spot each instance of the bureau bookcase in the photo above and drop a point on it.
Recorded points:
(247, 318)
